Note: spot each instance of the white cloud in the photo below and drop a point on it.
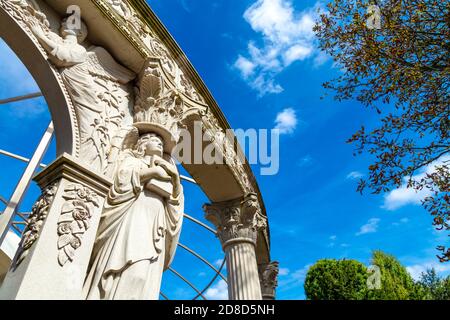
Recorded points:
(264, 85)
(294, 279)
(403, 196)
(297, 52)
(283, 272)
(286, 121)
(287, 37)
(245, 66)
(355, 175)
(218, 263)
(332, 244)
(320, 58)
(217, 292)
(416, 270)
(401, 221)
(300, 274)
(370, 227)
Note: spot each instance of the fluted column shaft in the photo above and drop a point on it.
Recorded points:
(238, 223)
(243, 281)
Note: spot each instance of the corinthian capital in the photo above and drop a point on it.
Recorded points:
(268, 274)
(236, 220)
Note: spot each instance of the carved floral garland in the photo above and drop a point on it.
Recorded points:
(34, 223)
(74, 221)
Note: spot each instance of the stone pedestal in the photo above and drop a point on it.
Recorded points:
(54, 253)
(238, 222)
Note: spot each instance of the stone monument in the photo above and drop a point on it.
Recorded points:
(107, 223)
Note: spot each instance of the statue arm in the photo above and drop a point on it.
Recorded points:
(172, 172)
(176, 186)
(48, 44)
(154, 172)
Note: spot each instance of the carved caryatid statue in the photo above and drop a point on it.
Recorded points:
(96, 84)
(141, 221)
(139, 227)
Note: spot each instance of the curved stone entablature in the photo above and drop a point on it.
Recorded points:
(108, 59)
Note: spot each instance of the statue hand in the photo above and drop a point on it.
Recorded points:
(161, 174)
(36, 28)
(170, 169)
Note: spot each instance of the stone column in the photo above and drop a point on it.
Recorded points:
(268, 274)
(237, 223)
(54, 253)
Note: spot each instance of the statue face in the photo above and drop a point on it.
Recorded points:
(154, 146)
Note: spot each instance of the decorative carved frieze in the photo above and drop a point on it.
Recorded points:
(74, 221)
(269, 279)
(159, 102)
(132, 25)
(25, 11)
(130, 17)
(127, 21)
(239, 219)
(156, 102)
(34, 224)
(97, 85)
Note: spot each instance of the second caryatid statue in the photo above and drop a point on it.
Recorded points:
(141, 220)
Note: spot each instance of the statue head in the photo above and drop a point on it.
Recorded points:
(68, 29)
(150, 144)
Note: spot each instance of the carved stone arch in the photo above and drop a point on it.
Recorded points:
(132, 36)
(21, 41)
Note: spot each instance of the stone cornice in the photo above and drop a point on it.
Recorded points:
(66, 166)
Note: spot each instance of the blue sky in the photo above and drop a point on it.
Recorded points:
(260, 60)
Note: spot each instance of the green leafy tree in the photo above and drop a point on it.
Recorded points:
(396, 282)
(433, 286)
(395, 58)
(330, 279)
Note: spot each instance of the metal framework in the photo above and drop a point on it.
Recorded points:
(11, 219)
(7, 217)
(21, 98)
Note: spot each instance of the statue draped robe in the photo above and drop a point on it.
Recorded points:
(136, 241)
